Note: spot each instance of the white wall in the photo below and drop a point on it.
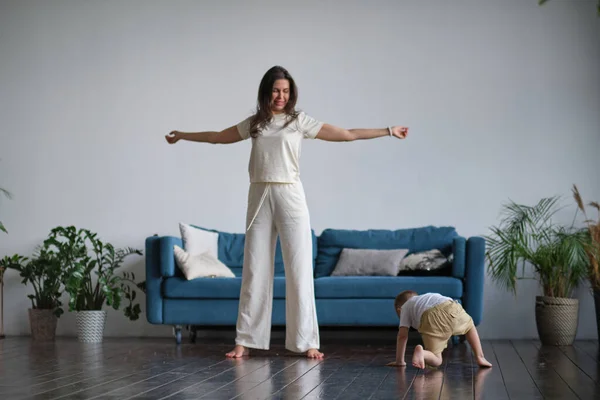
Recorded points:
(502, 98)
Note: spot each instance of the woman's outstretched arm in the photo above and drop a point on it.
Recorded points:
(227, 136)
(336, 134)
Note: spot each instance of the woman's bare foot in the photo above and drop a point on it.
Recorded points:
(314, 353)
(482, 362)
(418, 359)
(237, 352)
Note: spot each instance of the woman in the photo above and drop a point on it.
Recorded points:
(277, 206)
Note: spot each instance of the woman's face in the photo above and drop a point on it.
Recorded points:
(280, 95)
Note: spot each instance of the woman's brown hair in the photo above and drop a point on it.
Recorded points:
(263, 108)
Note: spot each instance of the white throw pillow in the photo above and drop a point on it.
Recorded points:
(198, 241)
(200, 265)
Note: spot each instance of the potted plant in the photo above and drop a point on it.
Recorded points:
(527, 235)
(7, 194)
(43, 272)
(91, 278)
(592, 251)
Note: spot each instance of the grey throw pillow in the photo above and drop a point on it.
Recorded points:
(360, 262)
(424, 261)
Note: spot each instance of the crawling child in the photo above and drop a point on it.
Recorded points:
(437, 318)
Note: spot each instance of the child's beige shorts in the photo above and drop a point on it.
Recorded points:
(441, 322)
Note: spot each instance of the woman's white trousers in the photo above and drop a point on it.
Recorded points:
(277, 209)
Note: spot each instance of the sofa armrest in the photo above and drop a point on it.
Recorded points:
(160, 263)
(459, 249)
(474, 278)
(167, 255)
(154, 303)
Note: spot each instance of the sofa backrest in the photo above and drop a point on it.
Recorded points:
(231, 251)
(331, 242)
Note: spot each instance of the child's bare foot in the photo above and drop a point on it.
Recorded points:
(482, 362)
(418, 359)
(314, 353)
(237, 352)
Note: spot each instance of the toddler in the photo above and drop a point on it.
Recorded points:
(437, 318)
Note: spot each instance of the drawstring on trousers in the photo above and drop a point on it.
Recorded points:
(262, 199)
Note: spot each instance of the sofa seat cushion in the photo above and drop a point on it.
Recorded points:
(373, 287)
(212, 288)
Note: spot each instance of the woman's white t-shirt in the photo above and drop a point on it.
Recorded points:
(275, 155)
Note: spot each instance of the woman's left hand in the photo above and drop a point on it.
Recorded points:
(400, 131)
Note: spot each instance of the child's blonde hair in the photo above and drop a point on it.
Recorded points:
(402, 298)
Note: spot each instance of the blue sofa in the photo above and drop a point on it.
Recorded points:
(341, 300)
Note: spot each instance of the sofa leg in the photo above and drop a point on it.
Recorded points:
(193, 332)
(177, 333)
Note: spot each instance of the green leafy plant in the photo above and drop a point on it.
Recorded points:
(541, 2)
(44, 273)
(527, 235)
(84, 257)
(593, 246)
(8, 195)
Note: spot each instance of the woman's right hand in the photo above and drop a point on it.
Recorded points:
(173, 137)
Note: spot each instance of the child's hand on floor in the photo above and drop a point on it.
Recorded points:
(395, 364)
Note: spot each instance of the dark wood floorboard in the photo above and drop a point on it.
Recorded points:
(583, 361)
(517, 380)
(489, 383)
(343, 372)
(548, 381)
(577, 380)
(158, 369)
(589, 347)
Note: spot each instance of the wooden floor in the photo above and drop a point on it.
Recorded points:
(158, 369)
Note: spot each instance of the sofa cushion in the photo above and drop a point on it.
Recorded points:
(369, 262)
(332, 241)
(195, 266)
(198, 241)
(372, 287)
(212, 288)
(429, 260)
(231, 251)
(445, 270)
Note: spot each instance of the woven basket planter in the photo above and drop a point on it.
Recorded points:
(42, 324)
(90, 326)
(556, 319)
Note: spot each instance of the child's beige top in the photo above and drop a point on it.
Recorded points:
(413, 309)
(275, 155)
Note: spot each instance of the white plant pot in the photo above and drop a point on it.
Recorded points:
(90, 326)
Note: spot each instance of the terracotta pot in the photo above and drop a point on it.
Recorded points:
(43, 325)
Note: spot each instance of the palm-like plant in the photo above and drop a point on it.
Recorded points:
(527, 235)
(593, 247)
